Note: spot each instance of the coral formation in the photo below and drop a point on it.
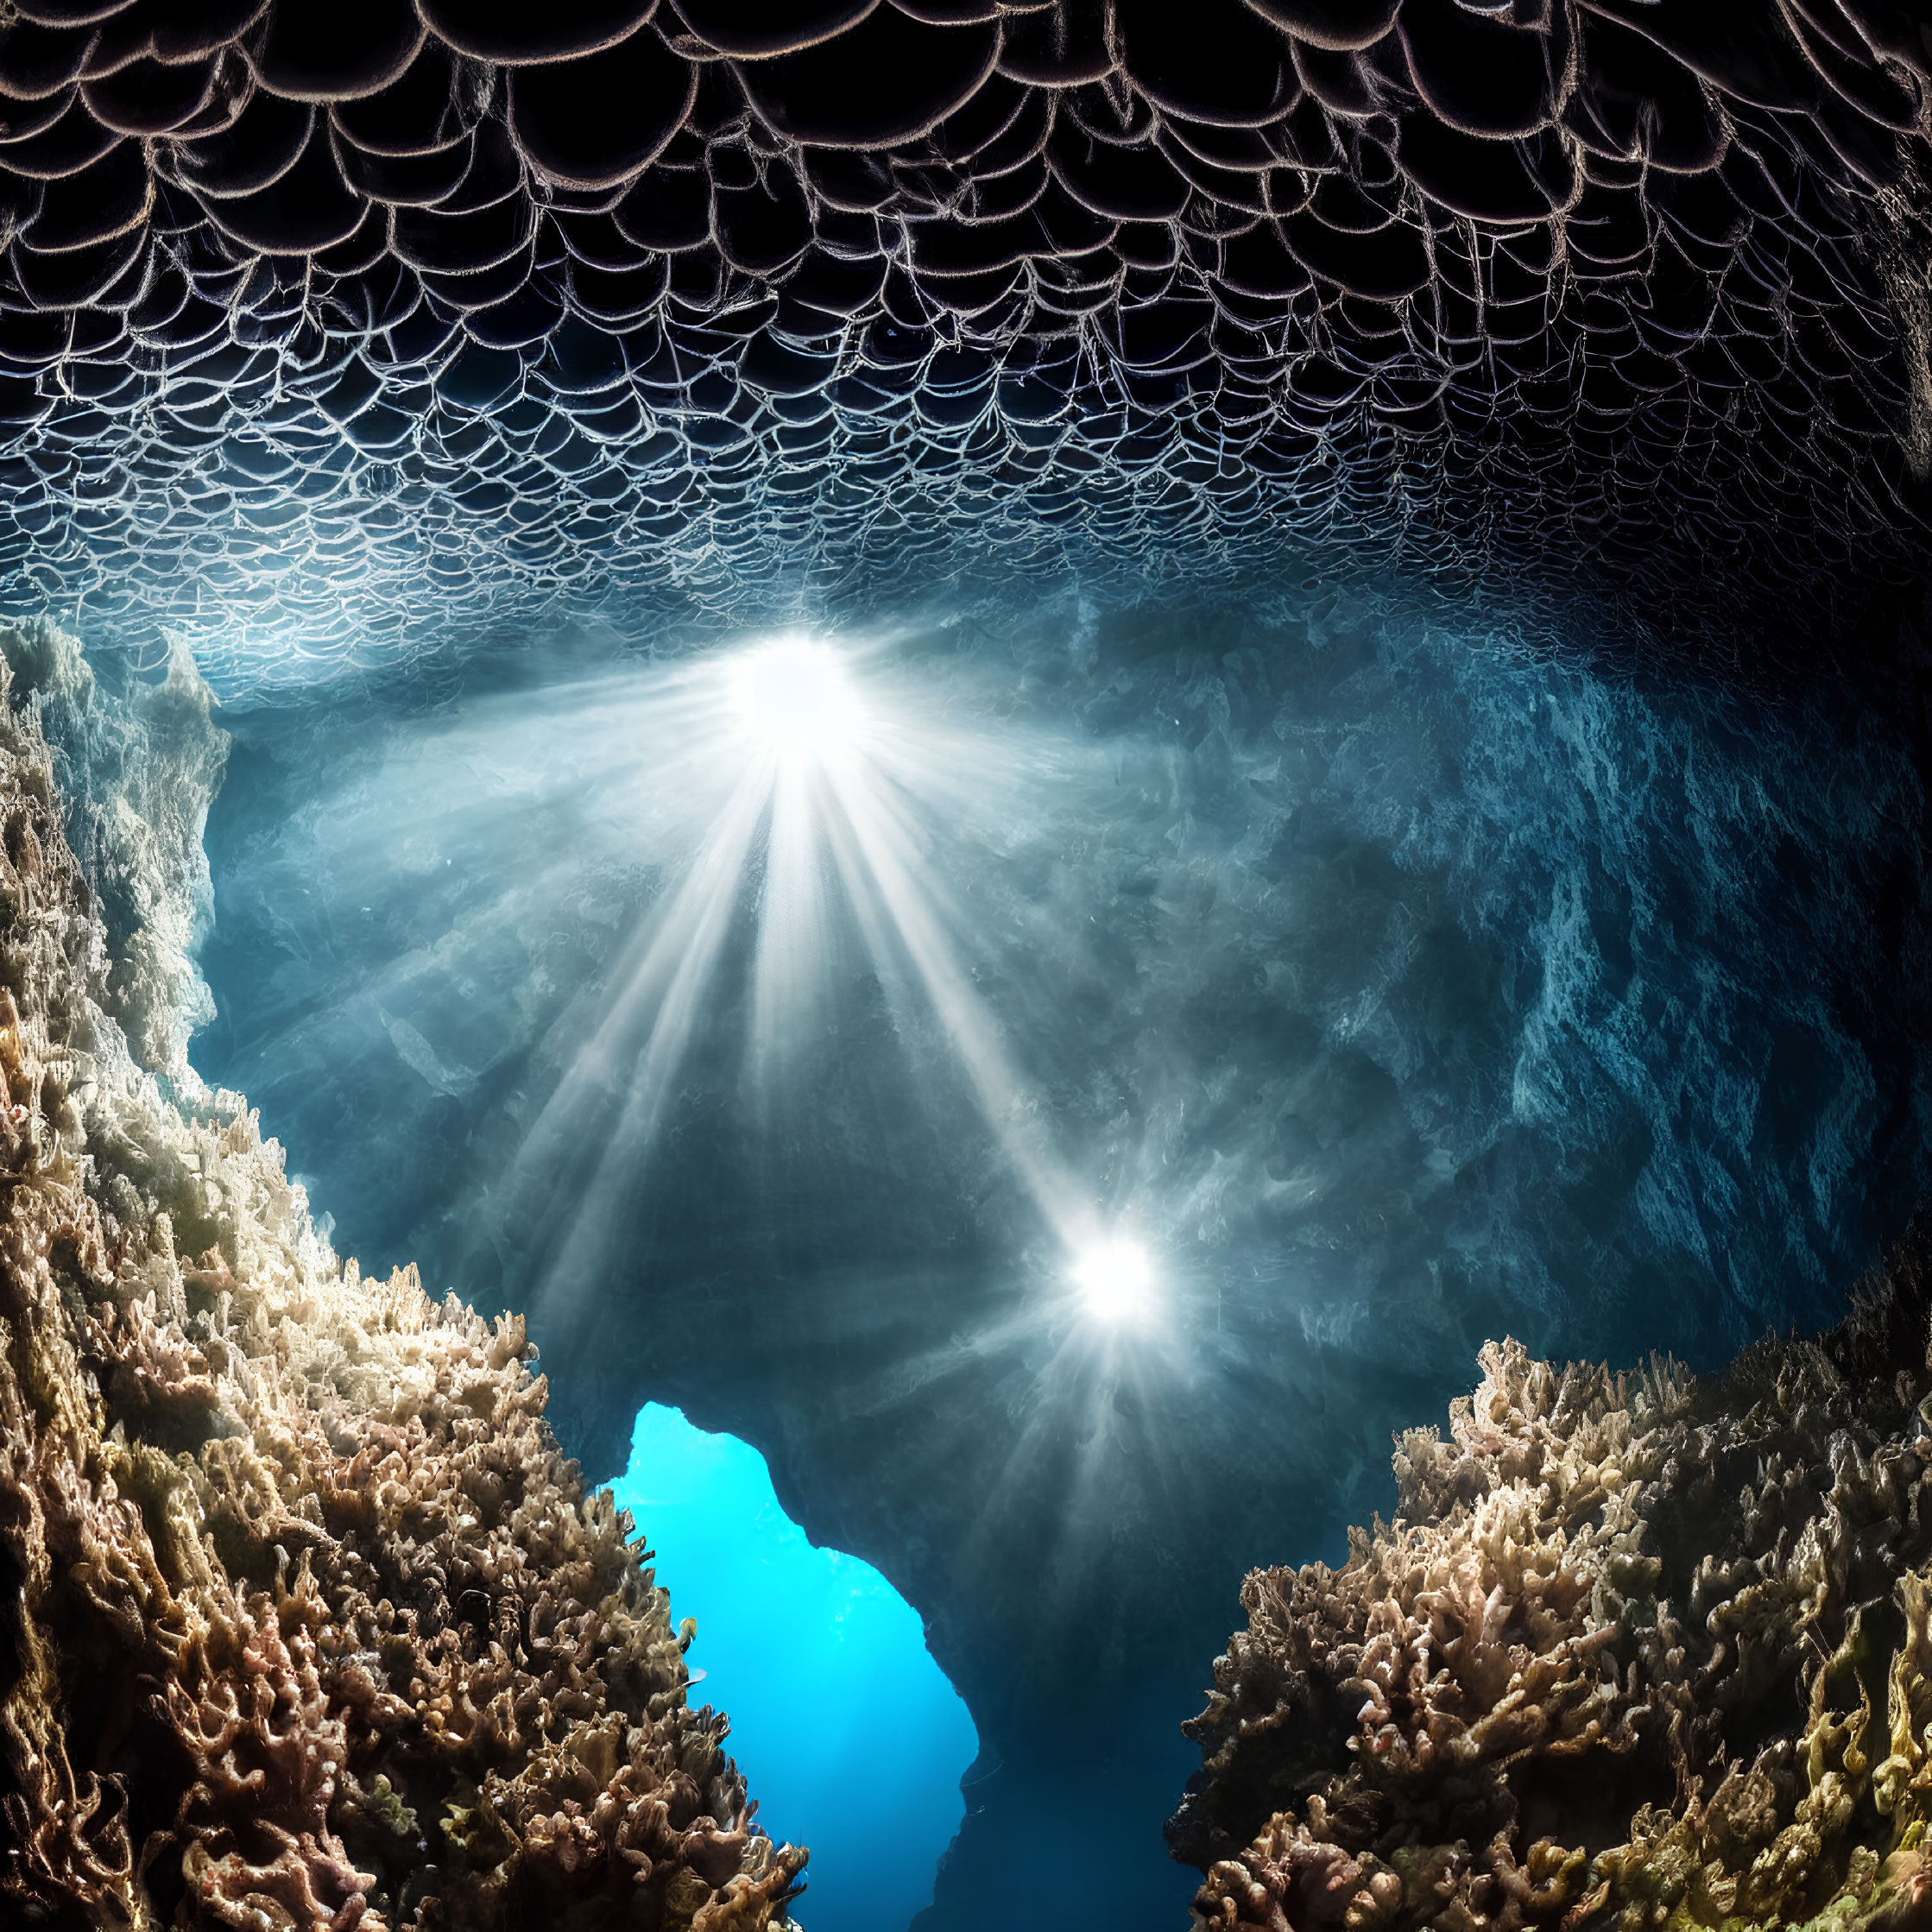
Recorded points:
(304, 1619)
(1638, 1650)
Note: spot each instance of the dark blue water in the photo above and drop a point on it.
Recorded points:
(1398, 976)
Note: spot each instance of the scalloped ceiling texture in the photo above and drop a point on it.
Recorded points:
(330, 318)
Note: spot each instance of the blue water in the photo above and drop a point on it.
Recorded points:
(852, 1740)
(1399, 976)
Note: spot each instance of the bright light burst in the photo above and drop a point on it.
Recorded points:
(795, 699)
(1116, 1281)
(806, 786)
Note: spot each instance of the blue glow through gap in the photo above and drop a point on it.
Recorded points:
(849, 1735)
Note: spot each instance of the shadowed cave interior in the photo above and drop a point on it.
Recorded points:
(1032, 752)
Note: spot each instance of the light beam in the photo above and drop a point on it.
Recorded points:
(806, 802)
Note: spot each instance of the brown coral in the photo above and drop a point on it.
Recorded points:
(1638, 1650)
(305, 1621)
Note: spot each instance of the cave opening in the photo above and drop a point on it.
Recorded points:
(849, 1732)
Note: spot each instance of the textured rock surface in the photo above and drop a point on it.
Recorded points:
(305, 1621)
(1638, 1650)
(492, 312)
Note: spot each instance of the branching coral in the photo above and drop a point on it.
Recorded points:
(304, 1619)
(1638, 1650)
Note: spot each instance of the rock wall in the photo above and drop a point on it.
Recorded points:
(305, 1621)
(1638, 1650)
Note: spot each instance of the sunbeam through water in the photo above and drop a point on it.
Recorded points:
(807, 789)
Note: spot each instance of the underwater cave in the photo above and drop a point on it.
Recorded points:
(965, 964)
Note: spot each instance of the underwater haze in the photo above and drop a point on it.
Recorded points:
(1064, 1078)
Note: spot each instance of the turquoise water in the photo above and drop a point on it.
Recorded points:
(852, 1738)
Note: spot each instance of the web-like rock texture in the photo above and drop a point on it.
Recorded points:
(1638, 1650)
(304, 1621)
(329, 321)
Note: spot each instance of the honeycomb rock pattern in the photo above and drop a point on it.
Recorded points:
(313, 316)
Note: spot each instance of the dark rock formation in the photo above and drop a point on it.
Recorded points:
(1638, 1650)
(305, 1621)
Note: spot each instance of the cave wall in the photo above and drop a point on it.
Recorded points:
(308, 1619)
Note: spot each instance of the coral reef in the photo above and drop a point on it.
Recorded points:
(1638, 1650)
(304, 1619)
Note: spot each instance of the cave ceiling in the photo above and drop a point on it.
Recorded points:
(332, 320)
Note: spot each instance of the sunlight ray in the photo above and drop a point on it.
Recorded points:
(872, 844)
(796, 940)
(634, 1057)
(790, 806)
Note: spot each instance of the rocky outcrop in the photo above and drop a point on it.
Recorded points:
(304, 1619)
(1638, 1650)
